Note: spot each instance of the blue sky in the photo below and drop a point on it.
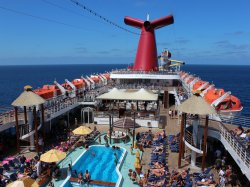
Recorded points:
(204, 32)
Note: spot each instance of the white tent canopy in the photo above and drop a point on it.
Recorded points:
(140, 95)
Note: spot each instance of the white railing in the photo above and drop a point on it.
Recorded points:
(60, 106)
(176, 97)
(187, 88)
(126, 71)
(235, 147)
(239, 149)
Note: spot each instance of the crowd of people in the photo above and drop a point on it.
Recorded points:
(158, 172)
(224, 169)
(19, 167)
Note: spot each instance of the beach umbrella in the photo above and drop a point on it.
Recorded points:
(53, 155)
(28, 98)
(24, 182)
(196, 105)
(82, 130)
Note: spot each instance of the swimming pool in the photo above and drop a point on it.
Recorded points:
(100, 162)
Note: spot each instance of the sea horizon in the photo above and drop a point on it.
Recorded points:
(116, 64)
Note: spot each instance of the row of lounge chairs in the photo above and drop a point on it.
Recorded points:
(16, 167)
(158, 172)
(204, 178)
(174, 141)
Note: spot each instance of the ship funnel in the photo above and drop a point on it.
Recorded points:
(146, 56)
(147, 25)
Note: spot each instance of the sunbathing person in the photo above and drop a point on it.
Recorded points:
(158, 148)
(158, 152)
(158, 183)
(157, 165)
(183, 174)
(158, 172)
(163, 133)
(237, 131)
(205, 182)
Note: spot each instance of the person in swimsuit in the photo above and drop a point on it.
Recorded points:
(80, 178)
(87, 176)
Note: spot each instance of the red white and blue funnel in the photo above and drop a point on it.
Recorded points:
(146, 57)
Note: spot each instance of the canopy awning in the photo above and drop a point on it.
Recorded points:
(196, 105)
(28, 98)
(140, 95)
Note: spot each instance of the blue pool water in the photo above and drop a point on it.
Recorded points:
(101, 165)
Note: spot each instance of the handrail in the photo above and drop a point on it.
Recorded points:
(31, 132)
(241, 151)
(189, 137)
(234, 143)
(126, 71)
(228, 131)
(176, 97)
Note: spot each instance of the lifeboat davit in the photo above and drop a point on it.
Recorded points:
(96, 79)
(48, 91)
(185, 76)
(190, 80)
(66, 86)
(229, 104)
(107, 75)
(198, 84)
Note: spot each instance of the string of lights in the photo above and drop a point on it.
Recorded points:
(41, 18)
(101, 17)
(69, 10)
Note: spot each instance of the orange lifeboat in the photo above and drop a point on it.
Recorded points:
(79, 83)
(48, 91)
(66, 86)
(213, 94)
(230, 103)
(198, 84)
(107, 75)
(96, 79)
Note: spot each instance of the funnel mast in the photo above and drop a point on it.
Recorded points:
(146, 57)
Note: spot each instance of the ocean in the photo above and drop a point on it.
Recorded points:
(14, 78)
